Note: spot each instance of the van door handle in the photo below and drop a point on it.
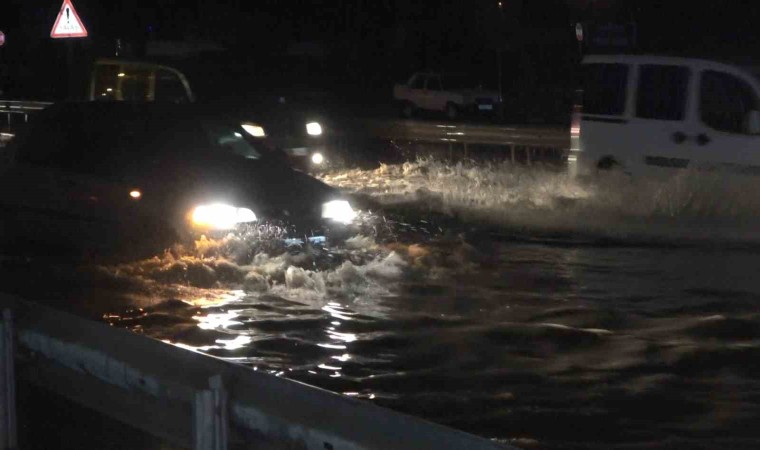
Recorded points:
(703, 139)
(678, 137)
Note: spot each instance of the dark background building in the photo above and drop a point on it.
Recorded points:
(362, 47)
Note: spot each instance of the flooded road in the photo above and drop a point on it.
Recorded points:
(520, 306)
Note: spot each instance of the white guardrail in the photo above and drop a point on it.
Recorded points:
(21, 107)
(507, 135)
(190, 399)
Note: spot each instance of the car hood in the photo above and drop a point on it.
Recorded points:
(272, 190)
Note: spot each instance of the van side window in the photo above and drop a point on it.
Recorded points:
(604, 89)
(662, 92)
(724, 102)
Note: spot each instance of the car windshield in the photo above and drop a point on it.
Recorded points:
(230, 138)
(451, 81)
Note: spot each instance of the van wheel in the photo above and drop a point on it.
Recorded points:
(407, 110)
(452, 112)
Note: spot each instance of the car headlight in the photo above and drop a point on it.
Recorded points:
(221, 217)
(314, 129)
(253, 129)
(317, 158)
(339, 211)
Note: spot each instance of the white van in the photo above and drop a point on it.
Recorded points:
(649, 114)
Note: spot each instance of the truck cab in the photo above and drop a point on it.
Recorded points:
(125, 80)
(655, 114)
(108, 79)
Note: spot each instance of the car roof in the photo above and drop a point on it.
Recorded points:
(443, 74)
(661, 59)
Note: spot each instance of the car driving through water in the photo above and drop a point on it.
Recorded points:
(142, 171)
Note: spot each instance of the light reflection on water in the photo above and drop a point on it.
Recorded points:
(234, 307)
(545, 342)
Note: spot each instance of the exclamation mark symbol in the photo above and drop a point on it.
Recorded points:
(68, 20)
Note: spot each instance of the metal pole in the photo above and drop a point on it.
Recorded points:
(499, 62)
(70, 95)
(211, 425)
(8, 439)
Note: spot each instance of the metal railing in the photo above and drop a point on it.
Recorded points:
(8, 108)
(194, 400)
(521, 143)
(414, 130)
(15, 112)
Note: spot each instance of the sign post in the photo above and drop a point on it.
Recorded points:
(68, 25)
(579, 37)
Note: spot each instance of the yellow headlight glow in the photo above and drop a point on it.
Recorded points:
(339, 211)
(254, 130)
(314, 128)
(221, 217)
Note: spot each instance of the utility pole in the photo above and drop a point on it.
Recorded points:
(499, 52)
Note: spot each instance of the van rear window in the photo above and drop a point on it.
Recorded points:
(604, 89)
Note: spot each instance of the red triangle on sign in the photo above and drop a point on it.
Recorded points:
(68, 24)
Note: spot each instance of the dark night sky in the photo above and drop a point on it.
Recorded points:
(663, 24)
(380, 41)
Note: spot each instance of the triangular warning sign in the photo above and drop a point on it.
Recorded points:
(68, 24)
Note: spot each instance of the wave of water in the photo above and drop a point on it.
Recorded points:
(547, 347)
(687, 205)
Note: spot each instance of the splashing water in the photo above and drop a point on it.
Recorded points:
(687, 205)
(236, 262)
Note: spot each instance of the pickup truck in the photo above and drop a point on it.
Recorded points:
(448, 93)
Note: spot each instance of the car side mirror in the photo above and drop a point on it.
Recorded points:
(752, 122)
